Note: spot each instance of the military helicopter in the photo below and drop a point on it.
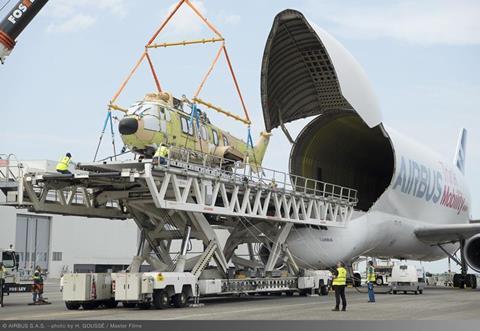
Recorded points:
(161, 118)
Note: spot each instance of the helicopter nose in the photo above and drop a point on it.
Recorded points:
(128, 126)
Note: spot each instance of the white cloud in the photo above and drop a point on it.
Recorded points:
(228, 19)
(71, 16)
(73, 24)
(424, 22)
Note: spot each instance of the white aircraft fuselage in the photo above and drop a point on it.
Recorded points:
(424, 190)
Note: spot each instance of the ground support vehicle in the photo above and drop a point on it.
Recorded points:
(406, 278)
(13, 283)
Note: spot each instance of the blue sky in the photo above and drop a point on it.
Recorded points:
(422, 58)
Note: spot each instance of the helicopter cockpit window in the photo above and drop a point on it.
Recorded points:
(215, 137)
(151, 120)
(149, 110)
(134, 109)
(225, 141)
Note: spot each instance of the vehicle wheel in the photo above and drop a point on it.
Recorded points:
(127, 304)
(324, 290)
(289, 293)
(404, 292)
(416, 292)
(357, 280)
(180, 300)
(72, 305)
(379, 281)
(304, 292)
(394, 292)
(90, 305)
(111, 303)
(161, 300)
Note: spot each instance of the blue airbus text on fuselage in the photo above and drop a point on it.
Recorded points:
(438, 186)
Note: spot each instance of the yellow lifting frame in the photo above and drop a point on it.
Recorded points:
(151, 44)
(221, 110)
(186, 42)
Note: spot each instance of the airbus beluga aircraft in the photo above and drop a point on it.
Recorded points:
(413, 204)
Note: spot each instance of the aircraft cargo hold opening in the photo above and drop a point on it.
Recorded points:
(340, 148)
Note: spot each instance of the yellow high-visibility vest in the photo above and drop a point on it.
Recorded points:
(370, 274)
(63, 163)
(162, 151)
(341, 278)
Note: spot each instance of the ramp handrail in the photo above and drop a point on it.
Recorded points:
(7, 174)
(275, 179)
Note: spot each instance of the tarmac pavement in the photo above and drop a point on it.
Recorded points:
(434, 304)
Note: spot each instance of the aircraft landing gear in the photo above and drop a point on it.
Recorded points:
(464, 279)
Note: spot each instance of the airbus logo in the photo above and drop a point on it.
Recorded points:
(437, 186)
(419, 181)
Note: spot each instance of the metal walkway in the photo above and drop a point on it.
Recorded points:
(186, 198)
(104, 189)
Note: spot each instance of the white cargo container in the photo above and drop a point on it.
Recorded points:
(88, 290)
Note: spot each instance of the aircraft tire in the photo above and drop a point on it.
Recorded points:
(458, 281)
(471, 281)
(474, 282)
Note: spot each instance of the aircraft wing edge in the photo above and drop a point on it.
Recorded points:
(440, 234)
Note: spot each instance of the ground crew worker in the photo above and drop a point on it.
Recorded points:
(370, 281)
(64, 163)
(2, 282)
(161, 155)
(339, 283)
(37, 289)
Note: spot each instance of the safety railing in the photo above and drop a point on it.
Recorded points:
(251, 173)
(10, 168)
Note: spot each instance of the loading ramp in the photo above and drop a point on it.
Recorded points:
(186, 199)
